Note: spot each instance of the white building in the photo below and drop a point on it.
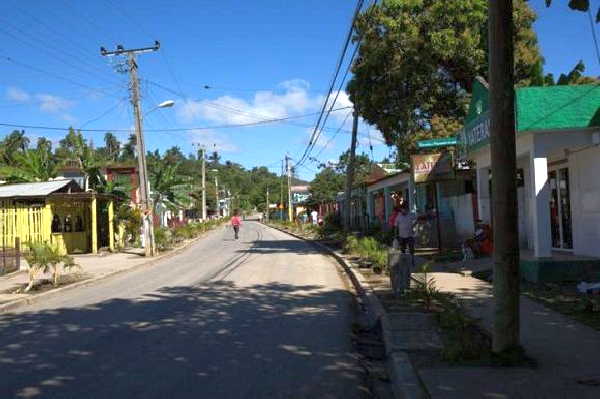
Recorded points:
(558, 138)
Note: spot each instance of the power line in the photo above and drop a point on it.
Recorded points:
(52, 50)
(266, 121)
(592, 25)
(56, 76)
(334, 78)
(335, 134)
(84, 51)
(316, 139)
(103, 114)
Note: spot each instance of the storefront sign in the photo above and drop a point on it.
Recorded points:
(432, 167)
(475, 135)
(298, 198)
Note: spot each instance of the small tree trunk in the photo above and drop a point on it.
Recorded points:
(504, 186)
(32, 272)
(55, 275)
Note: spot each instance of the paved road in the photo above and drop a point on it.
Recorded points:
(262, 317)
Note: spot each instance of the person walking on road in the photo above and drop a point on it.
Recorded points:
(236, 222)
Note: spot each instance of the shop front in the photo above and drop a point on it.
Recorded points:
(58, 212)
(558, 188)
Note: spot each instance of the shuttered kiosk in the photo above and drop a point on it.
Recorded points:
(58, 212)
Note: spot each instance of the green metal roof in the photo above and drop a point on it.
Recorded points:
(557, 107)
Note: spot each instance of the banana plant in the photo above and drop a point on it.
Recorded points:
(43, 258)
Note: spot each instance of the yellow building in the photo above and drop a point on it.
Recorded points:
(59, 212)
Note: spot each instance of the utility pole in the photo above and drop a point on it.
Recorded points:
(203, 183)
(505, 336)
(267, 207)
(350, 173)
(217, 195)
(203, 160)
(281, 194)
(147, 219)
(289, 180)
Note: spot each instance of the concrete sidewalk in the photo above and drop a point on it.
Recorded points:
(92, 267)
(567, 352)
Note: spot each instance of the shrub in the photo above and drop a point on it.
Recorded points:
(44, 257)
(163, 239)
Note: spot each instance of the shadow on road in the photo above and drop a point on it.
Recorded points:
(214, 340)
(295, 246)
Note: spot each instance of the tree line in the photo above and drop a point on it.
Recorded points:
(175, 178)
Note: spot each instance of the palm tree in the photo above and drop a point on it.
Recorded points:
(112, 146)
(14, 143)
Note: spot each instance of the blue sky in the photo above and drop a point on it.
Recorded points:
(262, 58)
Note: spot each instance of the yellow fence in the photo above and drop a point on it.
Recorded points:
(27, 220)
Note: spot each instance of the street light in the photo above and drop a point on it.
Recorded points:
(164, 104)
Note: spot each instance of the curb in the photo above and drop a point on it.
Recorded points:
(12, 305)
(405, 381)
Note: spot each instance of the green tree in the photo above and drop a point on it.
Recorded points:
(129, 149)
(112, 146)
(174, 155)
(326, 185)
(31, 166)
(15, 143)
(576, 76)
(168, 187)
(45, 145)
(214, 159)
(418, 59)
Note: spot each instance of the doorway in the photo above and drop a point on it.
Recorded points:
(560, 209)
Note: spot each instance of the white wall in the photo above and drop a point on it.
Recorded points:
(462, 207)
(585, 200)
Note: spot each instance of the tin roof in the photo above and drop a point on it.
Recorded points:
(37, 189)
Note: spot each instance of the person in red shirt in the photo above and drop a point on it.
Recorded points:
(236, 222)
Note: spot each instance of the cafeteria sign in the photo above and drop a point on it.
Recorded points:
(474, 135)
(432, 167)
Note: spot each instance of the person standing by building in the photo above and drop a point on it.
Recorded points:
(405, 223)
(236, 222)
(314, 216)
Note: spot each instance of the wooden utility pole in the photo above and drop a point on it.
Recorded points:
(203, 183)
(350, 173)
(505, 335)
(218, 207)
(281, 192)
(203, 171)
(147, 219)
(289, 189)
(267, 207)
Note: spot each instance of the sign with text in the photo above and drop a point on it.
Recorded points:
(439, 142)
(432, 167)
(475, 135)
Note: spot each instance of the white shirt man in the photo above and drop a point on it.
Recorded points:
(405, 222)
(314, 215)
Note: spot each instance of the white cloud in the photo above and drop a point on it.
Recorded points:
(212, 140)
(47, 102)
(53, 104)
(264, 105)
(18, 95)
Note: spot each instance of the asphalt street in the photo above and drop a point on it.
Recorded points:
(265, 316)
